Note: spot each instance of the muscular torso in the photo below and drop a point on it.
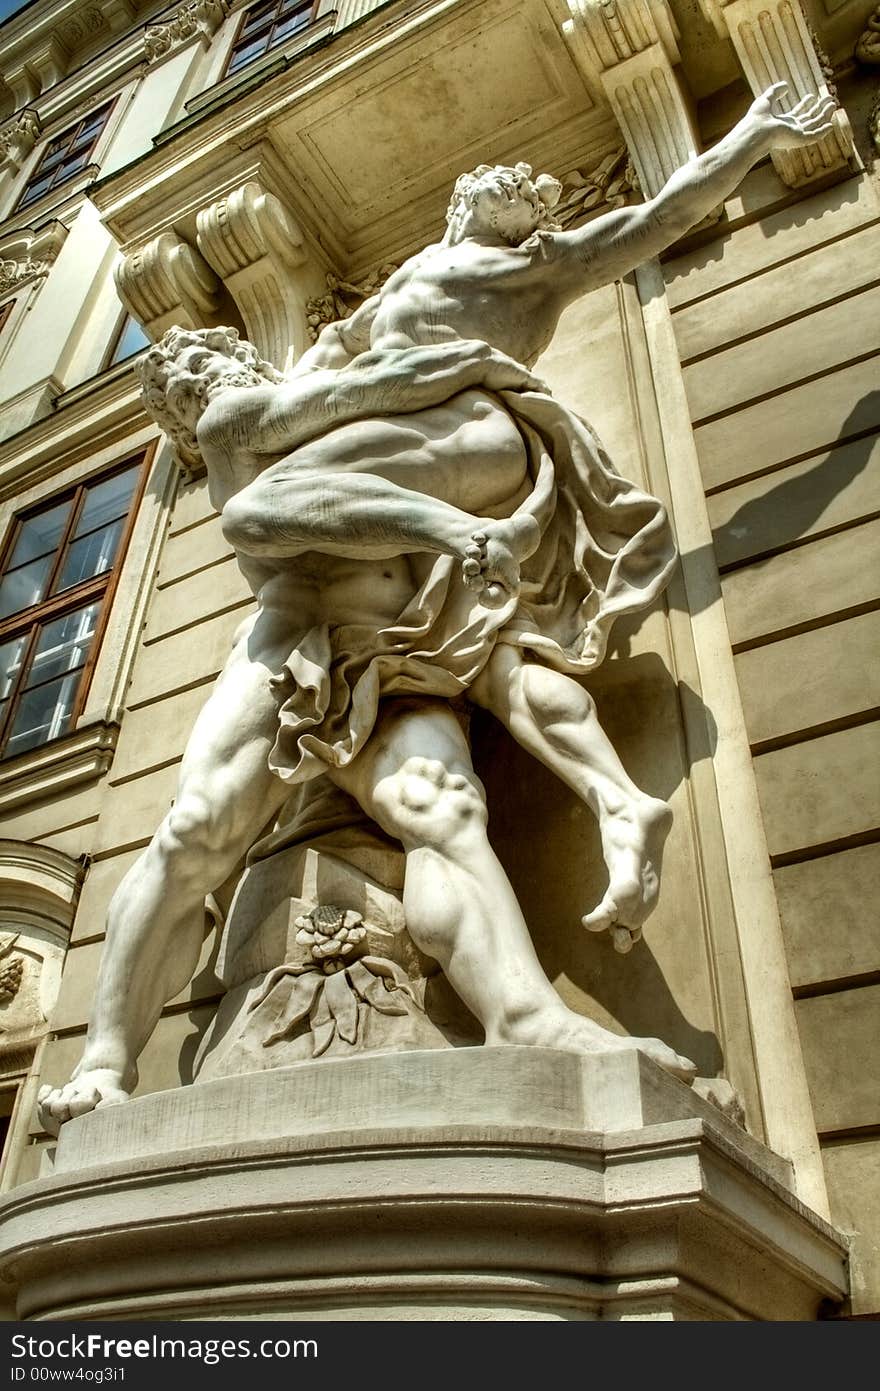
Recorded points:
(468, 291)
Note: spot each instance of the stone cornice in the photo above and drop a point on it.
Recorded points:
(39, 47)
(87, 419)
(53, 768)
(196, 19)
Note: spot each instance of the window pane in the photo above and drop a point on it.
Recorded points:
(21, 588)
(42, 714)
(290, 26)
(131, 340)
(63, 645)
(11, 654)
(90, 555)
(106, 501)
(248, 53)
(39, 535)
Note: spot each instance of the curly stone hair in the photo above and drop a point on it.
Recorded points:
(163, 379)
(542, 192)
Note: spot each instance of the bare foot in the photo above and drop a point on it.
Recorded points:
(555, 1026)
(493, 554)
(87, 1092)
(632, 846)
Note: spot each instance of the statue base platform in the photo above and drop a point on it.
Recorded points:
(468, 1184)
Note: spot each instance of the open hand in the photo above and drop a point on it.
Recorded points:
(805, 123)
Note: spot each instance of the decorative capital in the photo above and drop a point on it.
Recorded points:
(629, 50)
(202, 17)
(773, 44)
(615, 30)
(255, 245)
(18, 138)
(168, 281)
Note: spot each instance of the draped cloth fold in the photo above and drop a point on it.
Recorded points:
(606, 550)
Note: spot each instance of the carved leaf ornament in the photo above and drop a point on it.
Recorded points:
(331, 993)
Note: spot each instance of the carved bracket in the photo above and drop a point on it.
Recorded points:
(629, 47)
(773, 44)
(201, 17)
(168, 282)
(27, 255)
(252, 241)
(18, 138)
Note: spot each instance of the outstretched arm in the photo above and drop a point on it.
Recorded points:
(610, 246)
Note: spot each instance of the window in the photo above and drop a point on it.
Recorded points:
(55, 588)
(130, 339)
(265, 26)
(66, 155)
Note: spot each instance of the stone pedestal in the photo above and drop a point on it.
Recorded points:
(468, 1184)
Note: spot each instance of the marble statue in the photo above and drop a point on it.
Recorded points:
(420, 522)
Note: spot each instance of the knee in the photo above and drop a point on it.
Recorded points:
(426, 804)
(195, 839)
(244, 521)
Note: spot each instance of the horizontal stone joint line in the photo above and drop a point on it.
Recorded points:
(174, 691)
(145, 772)
(796, 544)
(164, 585)
(784, 322)
(813, 453)
(773, 265)
(789, 386)
(836, 986)
(817, 731)
(808, 626)
(825, 847)
(247, 602)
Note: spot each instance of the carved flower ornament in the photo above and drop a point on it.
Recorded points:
(333, 993)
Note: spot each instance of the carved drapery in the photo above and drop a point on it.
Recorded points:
(629, 48)
(773, 44)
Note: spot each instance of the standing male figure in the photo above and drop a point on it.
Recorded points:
(417, 520)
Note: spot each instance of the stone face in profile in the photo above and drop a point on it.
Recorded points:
(422, 525)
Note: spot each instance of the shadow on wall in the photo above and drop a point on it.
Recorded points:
(771, 522)
(754, 193)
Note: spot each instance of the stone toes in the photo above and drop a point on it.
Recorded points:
(622, 939)
(602, 916)
(471, 568)
(474, 552)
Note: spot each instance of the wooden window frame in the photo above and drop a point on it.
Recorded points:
(71, 134)
(101, 587)
(242, 22)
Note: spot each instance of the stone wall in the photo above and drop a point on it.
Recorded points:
(776, 328)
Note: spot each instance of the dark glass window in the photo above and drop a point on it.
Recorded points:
(265, 26)
(60, 567)
(130, 339)
(66, 155)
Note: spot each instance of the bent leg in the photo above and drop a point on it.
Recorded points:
(382, 489)
(555, 719)
(415, 778)
(155, 924)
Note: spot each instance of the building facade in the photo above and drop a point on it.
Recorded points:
(263, 165)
